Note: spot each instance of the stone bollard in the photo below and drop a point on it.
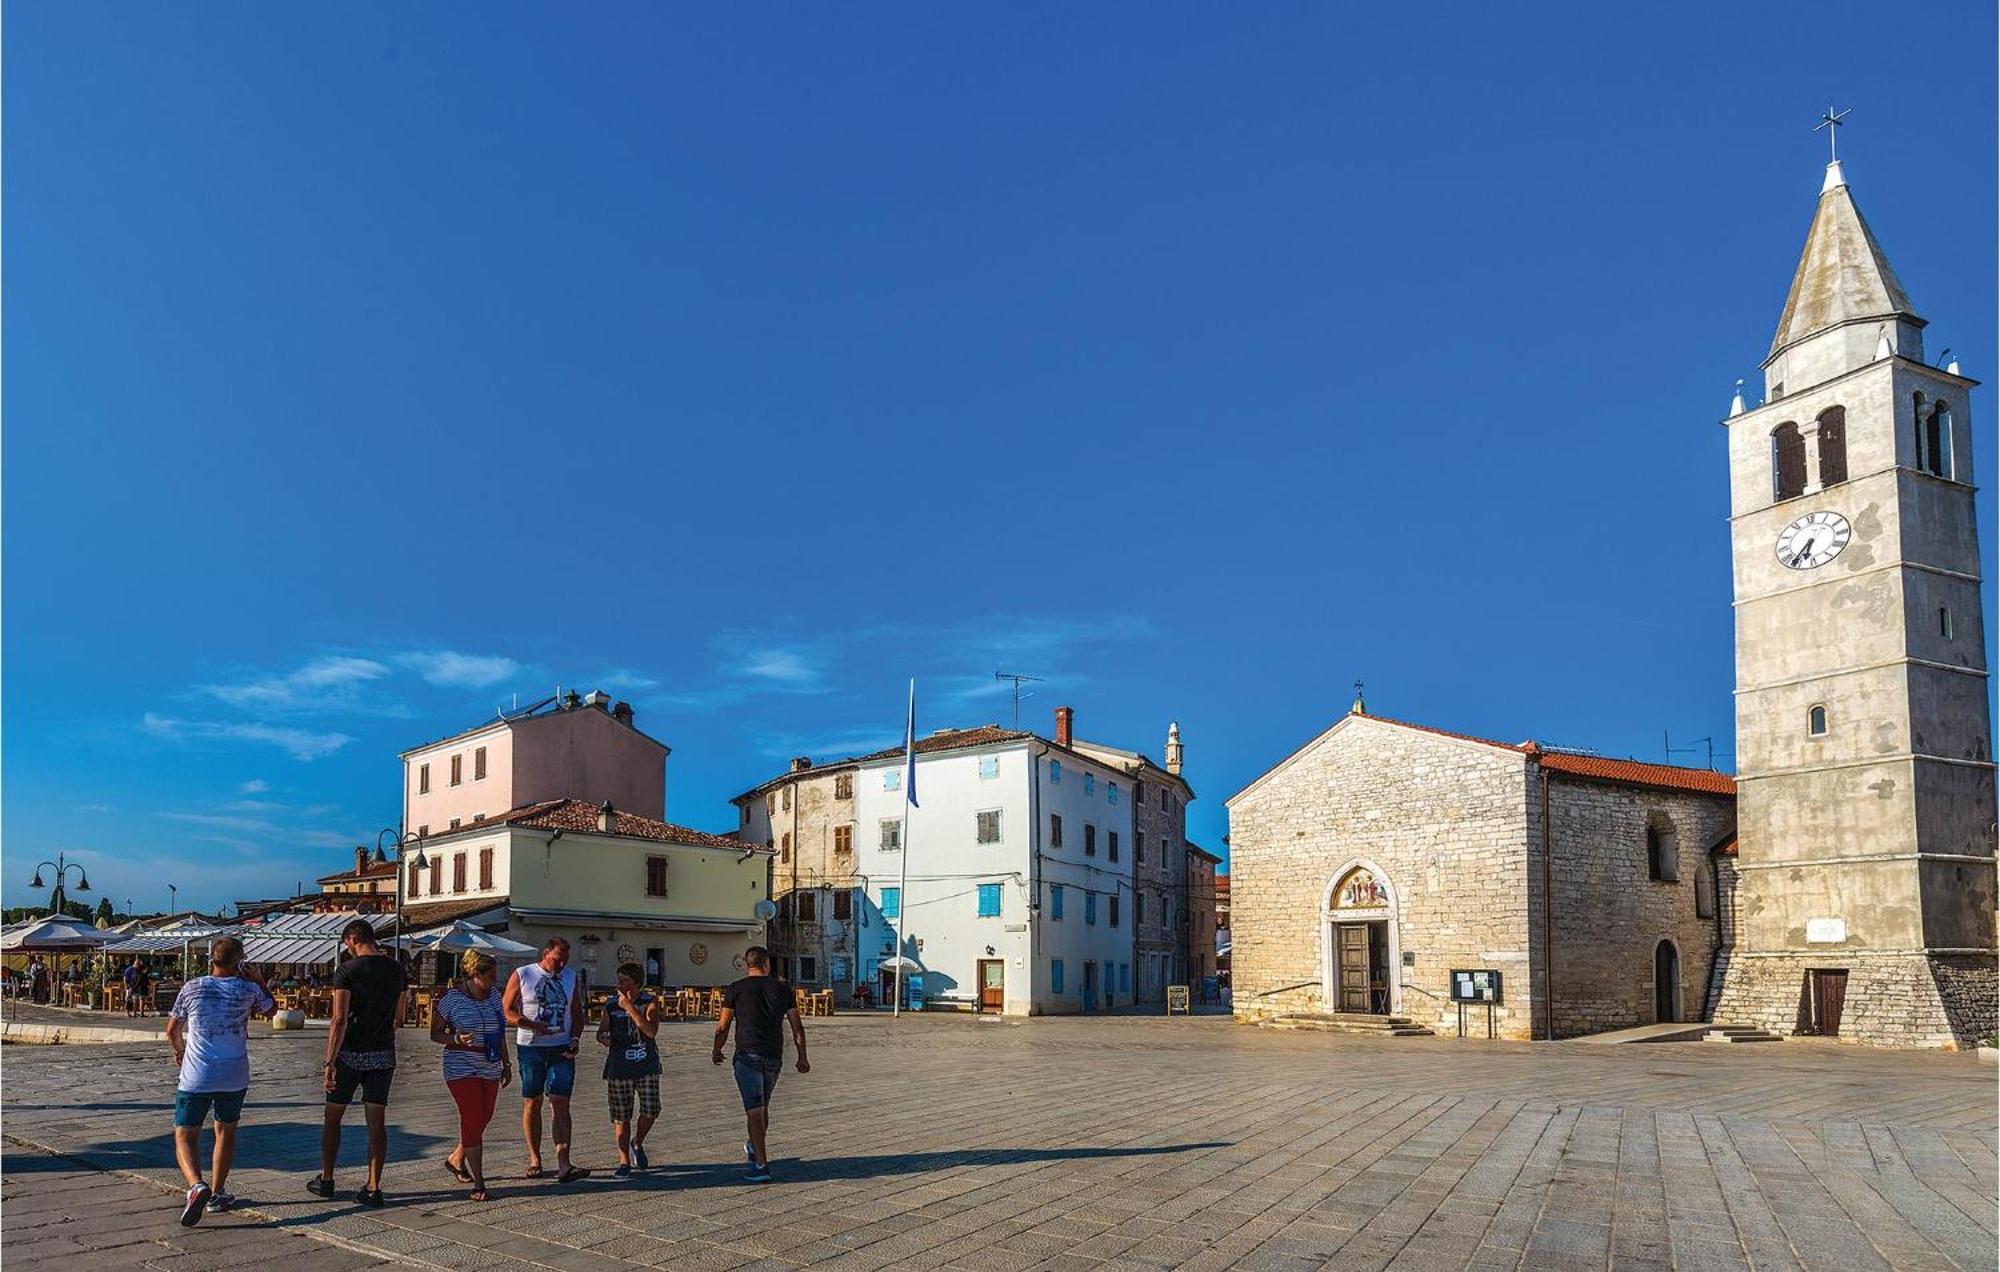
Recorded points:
(293, 1019)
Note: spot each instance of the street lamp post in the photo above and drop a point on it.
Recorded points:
(402, 841)
(62, 867)
(173, 900)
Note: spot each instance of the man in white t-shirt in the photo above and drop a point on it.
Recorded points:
(209, 1031)
(544, 1003)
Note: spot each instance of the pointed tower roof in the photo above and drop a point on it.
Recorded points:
(1843, 275)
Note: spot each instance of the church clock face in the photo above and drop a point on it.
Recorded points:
(1813, 540)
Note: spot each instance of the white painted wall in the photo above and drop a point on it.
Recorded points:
(946, 864)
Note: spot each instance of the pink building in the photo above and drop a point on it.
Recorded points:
(569, 747)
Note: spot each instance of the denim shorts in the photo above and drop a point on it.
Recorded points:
(756, 1078)
(545, 1070)
(191, 1107)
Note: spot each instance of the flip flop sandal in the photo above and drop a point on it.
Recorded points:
(478, 1194)
(533, 1172)
(460, 1173)
(573, 1174)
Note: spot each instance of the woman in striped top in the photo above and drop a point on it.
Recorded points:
(469, 1024)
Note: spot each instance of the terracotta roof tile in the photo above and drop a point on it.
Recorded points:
(954, 739)
(580, 815)
(1638, 773)
(433, 913)
(1601, 768)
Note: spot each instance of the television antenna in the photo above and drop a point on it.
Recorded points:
(1698, 746)
(1018, 680)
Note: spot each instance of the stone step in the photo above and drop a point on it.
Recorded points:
(1739, 1033)
(1350, 1023)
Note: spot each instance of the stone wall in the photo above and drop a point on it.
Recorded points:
(803, 812)
(1444, 823)
(1609, 915)
(1908, 999)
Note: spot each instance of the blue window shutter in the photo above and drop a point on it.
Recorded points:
(1055, 976)
(1055, 900)
(1090, 907)
(989, 900)
(892, 903)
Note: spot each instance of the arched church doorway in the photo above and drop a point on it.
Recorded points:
(1360, 950)
(1666, 982)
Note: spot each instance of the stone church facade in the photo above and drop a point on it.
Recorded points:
(1381, 857)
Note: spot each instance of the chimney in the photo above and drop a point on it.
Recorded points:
(1065, 724)
(360, 858)
(622, 713)
(1174, 748)
(599, 699)
(607, 817)
(800, 763)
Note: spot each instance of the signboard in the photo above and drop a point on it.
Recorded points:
(1826, 931)
(1481, 985)
(1177, 1000)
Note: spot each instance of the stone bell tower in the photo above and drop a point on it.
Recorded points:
(1863, 738)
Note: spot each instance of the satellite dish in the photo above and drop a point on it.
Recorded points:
(766, 910)
(835, 929)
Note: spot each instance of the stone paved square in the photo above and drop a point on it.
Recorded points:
(1074, 1143)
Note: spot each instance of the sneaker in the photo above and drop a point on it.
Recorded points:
(757, 1175)
(749, 1155)
(320, 1186)
(371, 1197)
(639, 1161)
(222, 1202)
(622, 1172)
(197, 1201)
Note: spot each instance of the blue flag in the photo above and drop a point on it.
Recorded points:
(910, 750)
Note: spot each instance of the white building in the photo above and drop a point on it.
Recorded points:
(1013, 892)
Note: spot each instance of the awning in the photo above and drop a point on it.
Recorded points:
(650, 922)
(160, 942)
(322, 950)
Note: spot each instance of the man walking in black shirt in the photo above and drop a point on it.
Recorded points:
(760, 1005)
(369, 993)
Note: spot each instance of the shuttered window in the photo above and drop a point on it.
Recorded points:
(656, 876)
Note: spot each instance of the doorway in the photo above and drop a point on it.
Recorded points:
(1826, 994)
(1666, 983)
(1090, 985)
(1361, 967)
(992, 984)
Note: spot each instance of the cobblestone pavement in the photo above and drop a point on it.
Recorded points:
(1116, 1143)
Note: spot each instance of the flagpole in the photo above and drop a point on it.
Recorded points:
(903, 867)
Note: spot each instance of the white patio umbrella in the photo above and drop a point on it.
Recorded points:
(459, 936)
(54, 933)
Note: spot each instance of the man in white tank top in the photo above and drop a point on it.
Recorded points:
(544, 1003)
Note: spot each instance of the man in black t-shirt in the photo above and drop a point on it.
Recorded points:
(369, 993)
(760, 1005)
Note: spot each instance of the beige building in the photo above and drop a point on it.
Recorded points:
(1864, 739)
(571, 746)
(1204, 919)
(1162, 908)
(619, 887)
(562, 853)
(805, 817)
(1369, 866)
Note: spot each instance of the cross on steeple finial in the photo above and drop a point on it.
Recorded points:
(1360, 706)
(1831, 122)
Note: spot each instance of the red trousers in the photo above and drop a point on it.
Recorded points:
(475, 1098)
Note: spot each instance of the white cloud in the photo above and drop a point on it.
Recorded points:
(255, 786)
(301, 744)
(324, 684)
(792, 668)
(450, 669)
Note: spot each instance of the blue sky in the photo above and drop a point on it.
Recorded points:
(370, 365)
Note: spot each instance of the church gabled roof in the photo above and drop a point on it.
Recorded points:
(1843, 275)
